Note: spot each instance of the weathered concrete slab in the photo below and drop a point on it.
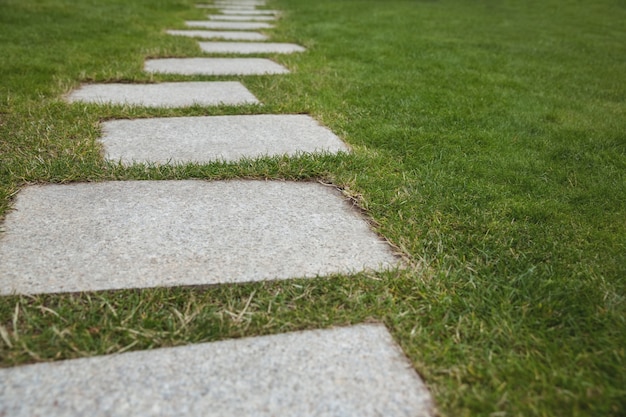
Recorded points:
(227, 35)
(250, 47)
(241, 18)
(178, 94)
(249, 12)
(228, 25)
(137, 234)
(214, 66)
(207, 139)
(350, 371)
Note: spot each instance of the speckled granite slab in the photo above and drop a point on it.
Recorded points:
(250, 47)
(207, 24)
(349, 371)
(176, 94)
(205, 139)
(137, 234)
(216, 34)
(214, 66)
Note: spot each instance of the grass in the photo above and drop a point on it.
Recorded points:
(488, 143)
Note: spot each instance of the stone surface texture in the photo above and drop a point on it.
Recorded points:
(137, 234)
(228, 25)
(215, 34)
(349, 371)
(239, 18)
(206, 139)
(249, 12)
(176, 94)
(214, 66)
(250, 47)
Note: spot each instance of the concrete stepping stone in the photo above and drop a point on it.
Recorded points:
(209, 34)
(249, 12)
(214, 66)
(176, 94)
(250, 47)
(213, 138)
(228, 25)
(242, 18)
(349, 371)
(138, 234)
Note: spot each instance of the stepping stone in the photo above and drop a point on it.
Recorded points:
(349, 371)
(214, 66)
(250, 47)
(249, 12)
(228, 25)
(206, 139)
(139, 234)
(178, 94)
(208, 34)
(240, 18)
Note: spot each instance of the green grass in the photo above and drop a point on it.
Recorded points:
(489, 144)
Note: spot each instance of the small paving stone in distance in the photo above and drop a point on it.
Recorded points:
(211, 138)
(228, 25)
(213, 34)
(214, 66)
(177, 94)
(240, 18)
(249, 12)
(250, 47)
(346, 371)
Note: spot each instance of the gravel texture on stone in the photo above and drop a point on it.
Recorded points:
(212, 138)
(215, 34)
(137, 234)
(345, 371)
(175, 94)
(214, 66)
(250, 47)
(239, 18)
(228, 25)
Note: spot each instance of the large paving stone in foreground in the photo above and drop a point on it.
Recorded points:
(240, 18)
(228, 25)
(205, 139)
(351, 371)
(214, 66)
(177, 94)
(214, 34)
(135, 234)
(250, 47)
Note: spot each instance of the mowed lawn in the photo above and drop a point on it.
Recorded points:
(489, 145)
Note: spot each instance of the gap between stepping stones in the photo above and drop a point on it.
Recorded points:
(138, 234)
(228, 25)
(250, 47)
(214, 66)
(348, 371)
(212, 138)
(176, 94)
(211, 34)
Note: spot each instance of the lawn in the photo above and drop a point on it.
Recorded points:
(489, 145)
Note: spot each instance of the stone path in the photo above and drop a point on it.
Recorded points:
(214, 66)
(213, 34)
(353, 371)
(207, 139)
(176, 94)
(139, 234)
(241, 18)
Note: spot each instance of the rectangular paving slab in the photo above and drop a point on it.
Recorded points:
(137, 234)
(228, 25)
(250, 47)
(176, 94)
(212, 138)
(239, 18)
(214, 66)
(349, 371)
(249, 12)
(214, 34)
